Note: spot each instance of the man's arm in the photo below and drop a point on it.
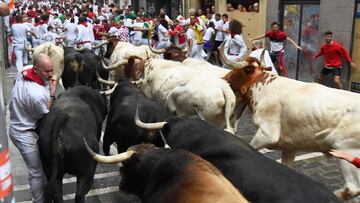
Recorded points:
(257, 38)
(53, 84)
(319, 53)
(293, 43)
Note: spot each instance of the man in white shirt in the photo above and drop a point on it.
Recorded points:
(256, 53)
(70, 32)
(85, 33)
(219, 37)
(19, 32)
(31, 98)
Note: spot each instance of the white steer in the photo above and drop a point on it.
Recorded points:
(296, 116)
(181, 88)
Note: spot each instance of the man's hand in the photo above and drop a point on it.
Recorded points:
(53, 84)
(342, 155)
(353, 65)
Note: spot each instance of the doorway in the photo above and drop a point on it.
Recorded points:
(300, 21)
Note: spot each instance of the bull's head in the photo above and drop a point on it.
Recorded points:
(171, 53)
(244, 74)
(131, 160)
(111, 44)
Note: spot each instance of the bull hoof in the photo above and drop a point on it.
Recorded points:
(344, 194)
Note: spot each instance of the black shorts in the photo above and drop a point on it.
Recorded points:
(334, 70)
(216, 45)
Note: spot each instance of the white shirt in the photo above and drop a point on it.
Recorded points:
(235, 48)
(190, 34)
(226, 27)
(219, 34)
(50, 37)
(268, 62)
(208, 34)
(70, 31)
(138, 34)
(84, 33)
(113, 30)
(19, 33)
(162, 33)
(28, 104)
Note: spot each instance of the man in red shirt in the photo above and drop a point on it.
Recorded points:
(333, 51)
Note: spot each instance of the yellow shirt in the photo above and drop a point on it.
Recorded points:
(198, 33)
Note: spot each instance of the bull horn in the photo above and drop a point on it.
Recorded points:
(137, 82)
(27, 48)
(106, 82)
(156, 51)
(149, 126)
(115, 65)
(262, 58)
(109, 159)
(185, 50)
(100, 45)
(79, 49)
(110, 91)
(230, 64)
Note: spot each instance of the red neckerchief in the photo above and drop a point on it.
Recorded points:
(84, 24)
(232, 35)
(37, 24)
(30, 75)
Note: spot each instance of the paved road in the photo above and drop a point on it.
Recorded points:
(105, 187)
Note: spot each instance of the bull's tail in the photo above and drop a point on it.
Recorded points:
(229, 107)
(56, 150)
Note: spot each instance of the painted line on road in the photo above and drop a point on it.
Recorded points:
(71, 180)
(306, 156)
(94, 192)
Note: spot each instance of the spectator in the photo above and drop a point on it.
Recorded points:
(256, 7)
(257, 51)
(229, 7)
(241, 8)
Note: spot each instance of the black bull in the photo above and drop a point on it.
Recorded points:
(259, 178)
(78, 112)
(80, 68)
(120, 126)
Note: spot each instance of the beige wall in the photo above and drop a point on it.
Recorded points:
(255, 23)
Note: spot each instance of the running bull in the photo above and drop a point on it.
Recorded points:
(260, 179)
(297, 116)
(80, 68)
(182, 88)
(120, 126)
(77, 113)
(166, 175)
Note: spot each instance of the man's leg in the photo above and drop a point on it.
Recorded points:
(31, 156)
(18, 58)
(338, 82)
(37, 178)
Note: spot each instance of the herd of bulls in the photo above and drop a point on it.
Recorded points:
(167, 116)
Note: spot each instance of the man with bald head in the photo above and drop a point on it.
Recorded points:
(31, 98)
